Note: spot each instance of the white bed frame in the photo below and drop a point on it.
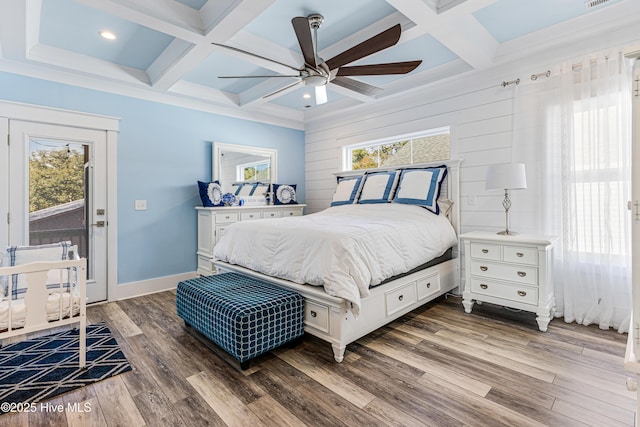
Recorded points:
(330, 319)
(35, 300)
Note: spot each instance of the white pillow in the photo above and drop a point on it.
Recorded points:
(346, 191)
(421, 187)
(378, 187)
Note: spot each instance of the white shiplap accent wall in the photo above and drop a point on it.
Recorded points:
(480, 114)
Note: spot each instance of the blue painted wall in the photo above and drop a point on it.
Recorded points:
(162, 151)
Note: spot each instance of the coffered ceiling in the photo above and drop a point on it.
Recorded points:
(163, 49)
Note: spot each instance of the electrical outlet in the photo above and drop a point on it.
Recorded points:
(141, 205)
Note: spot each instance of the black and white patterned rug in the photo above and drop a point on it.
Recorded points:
(41, 368)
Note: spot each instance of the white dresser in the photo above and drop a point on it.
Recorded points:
(212, 222)
(512, 271)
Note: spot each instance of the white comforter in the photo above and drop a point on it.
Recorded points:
(346, 249)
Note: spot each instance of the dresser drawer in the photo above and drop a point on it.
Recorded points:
(226, 217)
(485, 251)
(245, 216)
(316, 316)
(291, 212)
(511, 292)
(272, 214)
(511, 273)
(400, 298)
(520, 255)
(428, 286)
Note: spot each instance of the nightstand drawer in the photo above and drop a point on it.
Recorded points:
(485, 251)
(400, 298)
(523, 294)
(224, 217)
(245, 216)
(520, 255)
(512, 273)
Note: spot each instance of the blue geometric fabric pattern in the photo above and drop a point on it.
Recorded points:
(244, 316)
(41, 368)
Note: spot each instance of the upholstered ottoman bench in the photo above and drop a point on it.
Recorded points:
(242, 315)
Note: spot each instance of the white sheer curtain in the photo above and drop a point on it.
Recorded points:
(576, 130)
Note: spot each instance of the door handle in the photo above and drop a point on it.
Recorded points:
(99, 224)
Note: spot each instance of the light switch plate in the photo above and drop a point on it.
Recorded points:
(141, 205)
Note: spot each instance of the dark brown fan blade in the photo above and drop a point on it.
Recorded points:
(357, 86)
(375, 44)
(303, 33)
(254, 55)
(256, 77)
(379, 69)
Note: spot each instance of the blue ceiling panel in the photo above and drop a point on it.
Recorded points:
(509, 19)
(193, 4)
(75, 27)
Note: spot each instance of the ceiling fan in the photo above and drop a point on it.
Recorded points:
(318, 73)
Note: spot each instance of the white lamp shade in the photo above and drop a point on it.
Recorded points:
(510, 176)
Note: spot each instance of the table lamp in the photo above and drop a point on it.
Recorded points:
(506, 177)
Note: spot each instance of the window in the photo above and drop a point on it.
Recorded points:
(422, 147)
(254, 171)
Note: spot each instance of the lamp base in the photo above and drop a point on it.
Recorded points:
(507, 233)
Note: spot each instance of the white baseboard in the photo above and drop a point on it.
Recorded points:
(150, 286)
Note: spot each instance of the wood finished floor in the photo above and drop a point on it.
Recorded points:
(436, 366)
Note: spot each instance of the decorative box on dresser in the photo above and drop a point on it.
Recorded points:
(514, 271)
(213, 221)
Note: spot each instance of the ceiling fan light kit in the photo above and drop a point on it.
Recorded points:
(318, 73)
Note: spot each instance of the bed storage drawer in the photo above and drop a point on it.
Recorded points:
(400, 298)
(316, 316)
(428, 286)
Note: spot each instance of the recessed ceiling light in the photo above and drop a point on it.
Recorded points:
(306, 96)
(108, 35)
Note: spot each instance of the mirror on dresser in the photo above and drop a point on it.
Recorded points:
(234, 163)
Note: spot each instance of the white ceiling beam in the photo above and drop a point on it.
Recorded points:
(13, 38)
(256, 94)
(172, 65)
(206, 93)
(465, 7)
(462, 34)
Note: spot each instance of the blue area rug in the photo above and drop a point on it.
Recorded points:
(41, 368)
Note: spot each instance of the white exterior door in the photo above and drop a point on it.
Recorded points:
(57, 190)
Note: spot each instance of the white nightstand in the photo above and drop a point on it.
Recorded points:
(513, 271)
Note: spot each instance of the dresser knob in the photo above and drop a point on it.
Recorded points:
(519, 254)
(428, 285)
(483, 286)
(400, 298)
(485, 251)
(483, 268)
(522, 293)
(313, 314)
(521, 273)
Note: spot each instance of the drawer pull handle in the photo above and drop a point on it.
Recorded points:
(401, 297)
(313, 314)
(428, 285)
(483, 286)
(485, 251)
(290, 213)
(250, 216)
(519, 254)
(483, 268)
(227, 217)
(522, 293)
(521, 273)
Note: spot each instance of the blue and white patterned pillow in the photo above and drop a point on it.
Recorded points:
(19, 255)
(284, 194)
(260, 188)
(421, 187)
(210, 194)
(378, 187)
(346, 191)
(243, 188)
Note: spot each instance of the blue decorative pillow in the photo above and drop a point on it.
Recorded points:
(284, 194)
(378, 187)
(210, 194)
(346, 191)
(421, 187)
